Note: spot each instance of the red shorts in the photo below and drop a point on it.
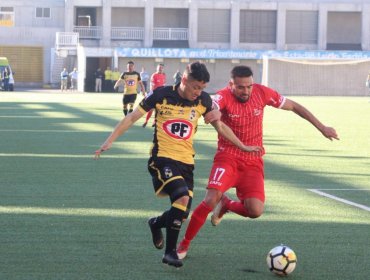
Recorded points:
(247, 176)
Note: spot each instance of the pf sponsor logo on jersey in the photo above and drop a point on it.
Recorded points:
(178, 129)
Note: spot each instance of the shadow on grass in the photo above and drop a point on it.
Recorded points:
(97, 246)
(48, 136)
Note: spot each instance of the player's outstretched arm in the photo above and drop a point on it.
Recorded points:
(120, 129)
(214, 115)
(328, 132)
(117, 84)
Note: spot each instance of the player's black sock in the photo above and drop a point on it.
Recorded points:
(188, 207)
(173, 226)
(125, 112)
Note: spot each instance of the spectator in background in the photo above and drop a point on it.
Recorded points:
(368, 82)
(177, 77)
(74, 79)
(144, 78)
(158, 79)
(5, 77)
(108, 80)
(116, 74)
(98, 79)
(64, 80)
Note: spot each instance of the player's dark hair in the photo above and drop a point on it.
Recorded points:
(241, 71)
(197, 71)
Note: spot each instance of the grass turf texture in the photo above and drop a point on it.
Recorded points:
(65, 216)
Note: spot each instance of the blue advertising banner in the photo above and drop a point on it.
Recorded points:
(237, 54)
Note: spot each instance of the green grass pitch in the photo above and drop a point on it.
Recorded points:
(65, 216)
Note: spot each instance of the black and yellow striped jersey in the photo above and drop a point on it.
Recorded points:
(176, 122)
(131, 80)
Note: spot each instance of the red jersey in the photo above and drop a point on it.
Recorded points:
(158, 80)
(245, 119)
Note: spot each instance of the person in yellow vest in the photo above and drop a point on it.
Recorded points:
(108, 82)
(116, 75)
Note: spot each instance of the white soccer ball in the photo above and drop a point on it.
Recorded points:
(281, 260)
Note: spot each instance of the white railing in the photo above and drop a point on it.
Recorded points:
(89, 32)
(119, 33)
(170, 34)
(66, 40)
(127, 33)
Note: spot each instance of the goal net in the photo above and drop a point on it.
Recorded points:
(316, 77)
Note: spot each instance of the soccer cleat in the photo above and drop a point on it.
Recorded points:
(157, 235)
(172, 259)
(144, 124)
(182, 249)
(219, 210)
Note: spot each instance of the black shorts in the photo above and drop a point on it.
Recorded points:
(129, 98)
(170, 176)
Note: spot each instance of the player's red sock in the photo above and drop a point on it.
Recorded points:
(148, 115)
(237, 207)
(197, 220)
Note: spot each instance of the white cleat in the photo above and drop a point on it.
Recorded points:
(182, 250)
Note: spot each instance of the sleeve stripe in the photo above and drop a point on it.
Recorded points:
(282, 103)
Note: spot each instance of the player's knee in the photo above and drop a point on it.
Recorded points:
(212, 198)
(183, 200)
(254, 207)
(180, 196)
(211, 202)
(255, 212)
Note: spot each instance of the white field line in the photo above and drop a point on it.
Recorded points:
(97, 212)
(320, 192)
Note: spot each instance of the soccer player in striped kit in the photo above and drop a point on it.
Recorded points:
(242, 105)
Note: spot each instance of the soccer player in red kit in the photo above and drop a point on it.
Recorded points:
(158, 79)
(242, 105)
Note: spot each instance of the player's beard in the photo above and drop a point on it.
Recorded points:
(243, 98)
